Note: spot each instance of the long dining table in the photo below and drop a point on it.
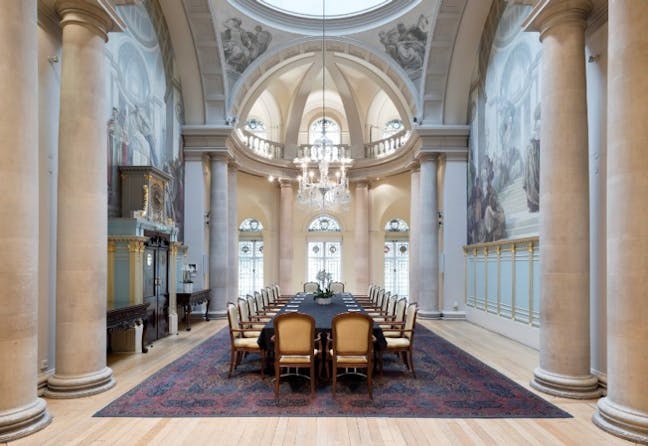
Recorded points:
(323, 315)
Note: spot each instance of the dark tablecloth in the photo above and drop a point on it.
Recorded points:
(323, 315)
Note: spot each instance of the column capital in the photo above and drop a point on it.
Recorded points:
(220, 156)
(97, 15)
(414, 166)
(232, 166)
(549, 13)
(424, 157)
(285, 183)
(363, 182)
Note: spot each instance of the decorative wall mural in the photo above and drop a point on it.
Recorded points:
(406, 45)
(504, 156)
(145, 121)
(242, 47)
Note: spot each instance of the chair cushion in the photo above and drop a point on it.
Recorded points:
(294, 359)
(350, 359)
(246, 343)
(397, 342)
(251, 334)
(392, 334)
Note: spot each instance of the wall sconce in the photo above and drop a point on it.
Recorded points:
(440, 218)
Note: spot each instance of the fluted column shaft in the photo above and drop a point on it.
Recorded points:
(361, 237)
(218, 236)
(414, 234)
(21, 412)
(429, 239)
(564, 204)
(82, 205)
(233, 282)
(624, 411)
(286, 237)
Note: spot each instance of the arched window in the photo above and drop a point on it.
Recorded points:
(324, 223)
(256, 126)
(397, 257)
(324, 248)
(392, 127)
(250, 256)
(324, 131)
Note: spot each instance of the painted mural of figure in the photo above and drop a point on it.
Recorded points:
(406, 45)
(241, 47)
(514, 166)
(532, 166)
(142, 134)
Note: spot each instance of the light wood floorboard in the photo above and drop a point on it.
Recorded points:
(73, 423)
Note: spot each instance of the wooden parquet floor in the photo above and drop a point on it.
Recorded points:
(73, 423)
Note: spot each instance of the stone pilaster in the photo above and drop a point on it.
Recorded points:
(285, 237)
(428, 299)
(414, 233)
(564, 202)
(218, 236)
(624, 411)
(232, 209)
(361, 237)
(21, 411)
(82, 203)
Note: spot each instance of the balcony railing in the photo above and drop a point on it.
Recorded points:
(333, 153)
(385, 147)
(262, 147)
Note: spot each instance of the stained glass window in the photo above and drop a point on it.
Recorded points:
(324, 131)
(396, 225)
(250, 266)
(251, 225)
(324, 223)
(392, 127)
(257, 127)
(325, 256)
(397, 267)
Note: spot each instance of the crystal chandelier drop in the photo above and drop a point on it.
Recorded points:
(319, 190)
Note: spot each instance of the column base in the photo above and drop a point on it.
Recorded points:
(217, 315)
(429, 314)
(454, 315)
(78, 386)
(566, 386)
(173, 323)
(24, 421)
(621, 421)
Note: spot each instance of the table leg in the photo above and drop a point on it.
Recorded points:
(144, 326)
(188, 317)
(207, 311)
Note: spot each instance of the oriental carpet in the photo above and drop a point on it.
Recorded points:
(450, 383)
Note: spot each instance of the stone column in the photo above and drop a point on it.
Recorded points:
(361, 237)
(82, 204)
(218, 236)
(414, 233)
(624, 412)
(429, 239)
(286, 237)
(21, 411)
(564, 203)
(232, 214)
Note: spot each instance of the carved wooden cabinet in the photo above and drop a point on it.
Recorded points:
(144, 194)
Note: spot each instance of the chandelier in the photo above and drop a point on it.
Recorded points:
(320, 190)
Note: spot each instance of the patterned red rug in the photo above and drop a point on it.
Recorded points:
(449, 383)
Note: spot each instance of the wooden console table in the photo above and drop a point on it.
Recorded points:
(188, 300)
(127, 317)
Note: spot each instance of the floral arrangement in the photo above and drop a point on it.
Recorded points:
(323, 286)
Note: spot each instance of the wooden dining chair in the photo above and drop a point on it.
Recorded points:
(351, 345)
(239, 343)
(310, 287)
(403, 344)
(337, 287)
(295, 347)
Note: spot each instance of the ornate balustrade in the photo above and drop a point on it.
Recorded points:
(387, 146)
(262, 147)
(332, 153)
(503, 278)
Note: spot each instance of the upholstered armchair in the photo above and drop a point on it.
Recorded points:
(295, 346)
(239, 343)
(351, 345)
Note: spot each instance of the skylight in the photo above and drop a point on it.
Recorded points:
(334, 8)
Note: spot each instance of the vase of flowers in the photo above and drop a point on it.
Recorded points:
(323, 295)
